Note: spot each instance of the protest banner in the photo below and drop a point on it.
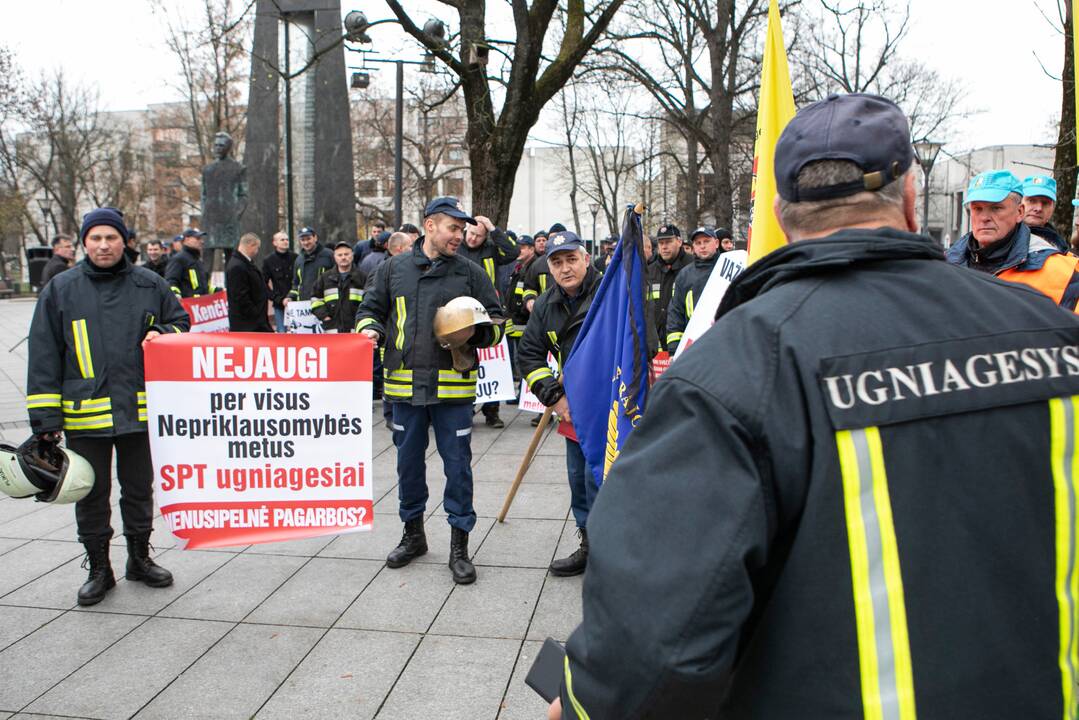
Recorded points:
(260, 438)
(300, 320)
(208, 313)
(495, 375)
(728, 267)
(660, 363)
(527, 401)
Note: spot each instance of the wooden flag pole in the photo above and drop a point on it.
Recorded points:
(526, 462)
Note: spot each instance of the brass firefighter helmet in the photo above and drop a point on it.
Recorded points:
(454, 323)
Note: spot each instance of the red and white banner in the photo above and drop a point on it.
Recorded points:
(260, 438)
(660, 363)
(208, 313)
(495, 374)
(729, 266)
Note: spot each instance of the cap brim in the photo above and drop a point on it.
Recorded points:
(563, 248)
(993, 195)
(1040, 192)
(462, 216)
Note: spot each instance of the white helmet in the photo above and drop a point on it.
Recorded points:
(46, 471)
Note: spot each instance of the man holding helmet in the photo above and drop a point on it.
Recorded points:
(85, 378)
(430, 380)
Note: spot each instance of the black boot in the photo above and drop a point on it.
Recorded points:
(101, 579)
(140, 567)
(413, 544)
(490, 417)
(464, 572)
(577, 561)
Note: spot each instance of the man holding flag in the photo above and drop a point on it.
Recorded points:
(557, 317)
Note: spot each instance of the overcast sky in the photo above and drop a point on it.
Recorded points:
(989, 45)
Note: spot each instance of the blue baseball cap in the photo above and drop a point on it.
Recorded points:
(193, 232)
(992, 186)
(564, 240)
(306, 231)
(1042, 185)
(710, 232)
(525, 240)
(448, 206)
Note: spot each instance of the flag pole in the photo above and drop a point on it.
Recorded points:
(526, 462)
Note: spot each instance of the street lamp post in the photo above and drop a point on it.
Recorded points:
(926, 152)
(45, 203)
(594, 208)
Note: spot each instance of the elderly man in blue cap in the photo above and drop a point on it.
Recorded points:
(1039, 203)
(1000, 243)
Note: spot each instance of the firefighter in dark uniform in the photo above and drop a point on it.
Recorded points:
(875, 503)
(398, 310)
(85, 379)
(552, 328)
(339, 292)
(186, 274)
(490, 248)
(313, 260)
(690, 282)
(513, 302)
(538, 277)
(668, 261)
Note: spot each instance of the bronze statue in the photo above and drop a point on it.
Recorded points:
(224, 195)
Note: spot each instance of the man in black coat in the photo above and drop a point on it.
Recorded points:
(247, 291)
(277, 269)
(63, 257)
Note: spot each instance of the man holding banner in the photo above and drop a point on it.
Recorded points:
(557, 317)
(852, 538)
(85, 378)
(421, 378)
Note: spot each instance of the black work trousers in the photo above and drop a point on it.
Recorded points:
(135, 472)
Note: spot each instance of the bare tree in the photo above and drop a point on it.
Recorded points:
(525, 81)
(1065, 161)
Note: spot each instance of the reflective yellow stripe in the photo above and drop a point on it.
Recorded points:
(193, 277)
(519, 289)
(1065, 467)
(87, 407)
(674, 337)
(689, 304)
(553, 337)
(82, 348)
(538, 374)
(175, 289)
(317, 303)
(577, 708)
(42, 400)
(528, 295)
(543, 283)
(94, 422)
(330, 295)
(455, 393)
(497, 335)
(401, 391)
(489, 266)
(140, 397)
(355, 294)
(361, 324)
(399, 375)
(399, 341)
(879, 606)
(142, 415)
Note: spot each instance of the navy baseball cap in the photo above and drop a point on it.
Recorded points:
(193, 232)
(341, 244)
(556, 228)
(448, 206)
(526, 240)
(178, 238)
(565, 240)
(668, 231)
(867, 130)
(539, 233)
(307, 230)
(710, 232)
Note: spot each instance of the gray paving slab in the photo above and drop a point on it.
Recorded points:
(14, 508)
(317, 594)
(545, 501)
(432, 686)
(558, 612)
(402, 600)
(188, 569)
(438, 538)
(54, 589)
(9, 544)
(40, 660)
(521, 702)
(308, 547)
(371, 544)
(347, 674)
(18, 622)
(40, 522)
(520, 543)
(236, 676)
(494, 467)
(235, 589)
(33, 560)
(499, 604)
(107, 687)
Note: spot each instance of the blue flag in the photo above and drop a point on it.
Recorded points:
(606, 375)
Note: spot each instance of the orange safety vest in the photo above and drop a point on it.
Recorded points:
(1050, 279)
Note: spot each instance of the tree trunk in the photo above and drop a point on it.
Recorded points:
(1064, 166)
(693, 183)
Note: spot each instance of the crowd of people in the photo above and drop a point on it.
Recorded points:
(872, 507)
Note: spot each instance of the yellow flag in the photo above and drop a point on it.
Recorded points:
(775, 110)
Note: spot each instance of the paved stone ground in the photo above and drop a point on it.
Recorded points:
(309, 629)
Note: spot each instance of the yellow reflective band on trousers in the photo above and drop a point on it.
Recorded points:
(82, 348)
(42, 400)
(577, 707)
(884, 660)
(402, 314)
(489, 266)
(1065, 467)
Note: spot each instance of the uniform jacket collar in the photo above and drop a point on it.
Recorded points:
(840, 251)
